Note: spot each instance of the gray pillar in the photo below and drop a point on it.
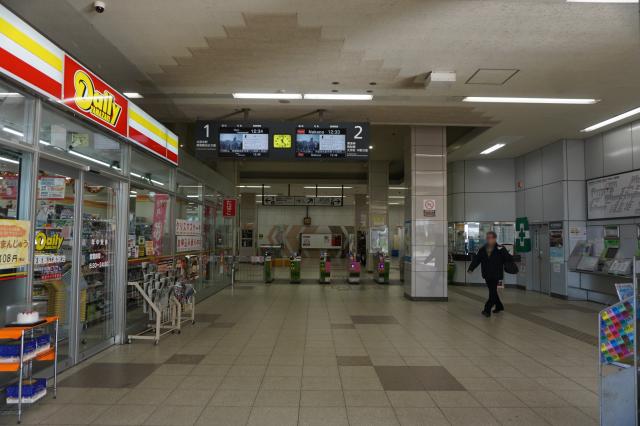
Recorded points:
(247, 217)
(425, 257)
(361, 221)
(378, 204)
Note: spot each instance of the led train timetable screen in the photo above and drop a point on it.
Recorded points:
(321, 143)
(244, 142)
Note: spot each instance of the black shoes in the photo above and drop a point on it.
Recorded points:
(498, 310)
(486, 313)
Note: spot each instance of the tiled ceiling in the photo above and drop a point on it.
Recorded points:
(187, 57)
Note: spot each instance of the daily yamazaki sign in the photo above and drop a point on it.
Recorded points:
(28, 57)
(87, 94)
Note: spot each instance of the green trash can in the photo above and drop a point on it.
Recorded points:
(294, 268)
(268, 270)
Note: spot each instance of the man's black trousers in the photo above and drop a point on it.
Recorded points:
(494, 299)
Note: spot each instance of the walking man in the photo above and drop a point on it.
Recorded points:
(492, 258)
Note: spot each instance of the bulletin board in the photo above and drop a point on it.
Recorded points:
(614, 196)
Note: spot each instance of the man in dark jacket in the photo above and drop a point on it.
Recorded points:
(492, 258)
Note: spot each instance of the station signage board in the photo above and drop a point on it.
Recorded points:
(283, 141)
(89, 95)
(290, 201)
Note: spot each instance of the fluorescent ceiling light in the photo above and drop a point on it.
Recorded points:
(133, 95)
(326, 196)
(252, 186)
(328, 187)
(503, 100)
(135, 175)
(337, 97)
(285, 96)
(193, 196)
(398, 188)
(86, 157)
(9, 160)
(612, 120)
(267, 195)
(397, 196)
(13, 131)
(492, 149)
(10, 95)
(394, 204)
(44, 142)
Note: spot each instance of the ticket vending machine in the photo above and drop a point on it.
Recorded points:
(382, 269)
(294, 268)
(268, 269)
(325, 268)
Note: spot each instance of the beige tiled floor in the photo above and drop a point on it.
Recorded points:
(275, 363)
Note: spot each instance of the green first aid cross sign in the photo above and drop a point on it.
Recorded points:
(523, 238)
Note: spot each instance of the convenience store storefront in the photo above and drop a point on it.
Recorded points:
(93, 185)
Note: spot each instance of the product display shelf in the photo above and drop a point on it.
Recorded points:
(618, 359)
(23, 367)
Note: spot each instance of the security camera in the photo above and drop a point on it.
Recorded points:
(99, 6)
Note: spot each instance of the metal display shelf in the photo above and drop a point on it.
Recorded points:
(23, 366)
(618, 359)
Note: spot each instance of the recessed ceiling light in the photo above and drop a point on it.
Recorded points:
(267, 96)
(337, 97)
(334, 90)
(602, 1)
(133, 95)
(373, 83)
(509, 100)
(492, 149)
(612, 120)
(335, 82)
(370, 146)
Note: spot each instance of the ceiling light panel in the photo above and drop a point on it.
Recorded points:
(337, 97)
(277, 96)
(512, 100)
(612, 120)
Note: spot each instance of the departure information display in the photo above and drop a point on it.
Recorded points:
(282, 141)
(321, 143)
(243, 142)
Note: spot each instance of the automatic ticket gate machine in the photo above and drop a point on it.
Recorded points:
(268, 268)
(383, 267)
(325, 268)
(354, 270)
(294, 268)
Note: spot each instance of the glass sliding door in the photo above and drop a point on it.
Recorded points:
(54, 249)
(97, 265)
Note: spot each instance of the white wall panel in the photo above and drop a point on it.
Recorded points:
(576, 200)
(490, 206)
(520, 204)
(593, 157)
(456, 207)
(533, 204)
(575, 159)
(456, 180)
(635, 140)
(553, 202)
(533, 169)
(489, 175)
(553, 162)
(617, 150)
(519, 172)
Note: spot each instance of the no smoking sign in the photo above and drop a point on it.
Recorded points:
(429, 208)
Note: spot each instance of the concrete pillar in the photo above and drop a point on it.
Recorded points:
(425, 257)
(378, 203)
(248, 224)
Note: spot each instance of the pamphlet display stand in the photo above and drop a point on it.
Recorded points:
(618, 358)
(20, 346)
(166, 302)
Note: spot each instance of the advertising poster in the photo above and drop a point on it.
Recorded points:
(9, 187)
(14, 243)
(160, 205)
(188, 227)
(51, 188)
(229, 207)
(188, 243)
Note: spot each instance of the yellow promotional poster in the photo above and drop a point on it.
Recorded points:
(14, 243)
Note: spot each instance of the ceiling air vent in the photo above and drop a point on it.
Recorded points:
(492, 77)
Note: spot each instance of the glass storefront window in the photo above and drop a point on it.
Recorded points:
(150, 171)
(189, 241)
(148, 245)
(16, 115)
(62, 135)
(54, 246)
(189, 187)
(13, 280)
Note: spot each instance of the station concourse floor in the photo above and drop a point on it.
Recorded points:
(346, 355)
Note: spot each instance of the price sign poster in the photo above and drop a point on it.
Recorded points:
(51, 188)
(14, 243)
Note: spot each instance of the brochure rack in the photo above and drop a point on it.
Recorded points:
(618, 359)
(166, 302)
(32, 347)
